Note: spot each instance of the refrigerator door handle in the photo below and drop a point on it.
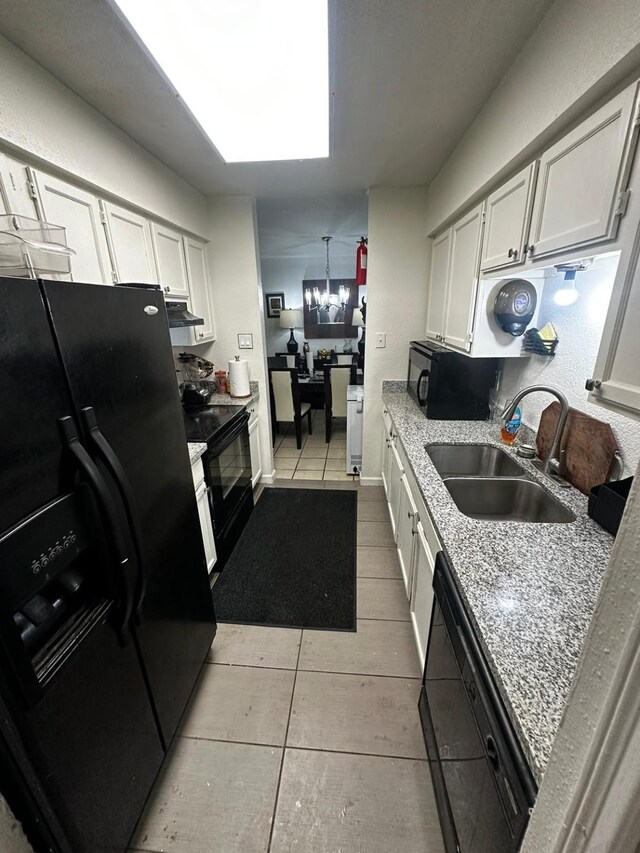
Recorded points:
(114, 466)
(108, 511)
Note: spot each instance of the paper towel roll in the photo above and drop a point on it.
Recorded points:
(310, 363)
(239, 378)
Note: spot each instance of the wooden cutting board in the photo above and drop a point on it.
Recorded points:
(589, 446)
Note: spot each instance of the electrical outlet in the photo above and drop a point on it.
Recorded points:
(245, 341)
(381, 340)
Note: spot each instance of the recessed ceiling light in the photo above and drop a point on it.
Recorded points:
(254, 73)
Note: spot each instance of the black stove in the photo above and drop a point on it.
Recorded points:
(204, 424)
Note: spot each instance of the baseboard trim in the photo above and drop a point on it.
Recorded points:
(370, 481)
(268, 479)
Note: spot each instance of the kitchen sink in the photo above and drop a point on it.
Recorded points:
(472, 460)
(506, 499)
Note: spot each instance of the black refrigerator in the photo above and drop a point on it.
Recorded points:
(106, 613)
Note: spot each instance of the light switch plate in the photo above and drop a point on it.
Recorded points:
(381, 340)
(245, 341)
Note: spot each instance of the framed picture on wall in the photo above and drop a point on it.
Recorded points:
(275, 304)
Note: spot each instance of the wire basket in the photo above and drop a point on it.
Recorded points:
(533, 343)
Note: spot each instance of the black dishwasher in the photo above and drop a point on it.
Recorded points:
(483, 785)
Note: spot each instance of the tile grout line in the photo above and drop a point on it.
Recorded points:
(321, 671)
(284, 749)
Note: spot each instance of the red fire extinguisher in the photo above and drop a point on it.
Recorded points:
(361, 261)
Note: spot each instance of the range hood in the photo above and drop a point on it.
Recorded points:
(179, 316)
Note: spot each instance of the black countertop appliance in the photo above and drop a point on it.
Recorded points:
(106, 613)
(449, 386)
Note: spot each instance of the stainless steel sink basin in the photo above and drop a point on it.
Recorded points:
(506, 499)
(472, 460)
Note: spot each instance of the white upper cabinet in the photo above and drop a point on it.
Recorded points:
(15, 194)
(507, 220)
(577, 200)
(616, 379)
(201, 302)
(129, 238)
(440, 258)
(464, 267)
(170, 261)
(60, 203)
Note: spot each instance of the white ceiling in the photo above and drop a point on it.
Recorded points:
(409, 76)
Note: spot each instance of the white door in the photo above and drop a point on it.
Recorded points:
(129, 238)
(396, 471)
(466, 235)
(199, 286)
(616, 379)
(204, 514)
(78, 211)
(170, 260)
(440, 260)
(16, 195)
(579, 180)
(422, 591)
(407, 520)
(254, 447)
(507, 220)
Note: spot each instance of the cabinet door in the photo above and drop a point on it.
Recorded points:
(507, 220)
(580, 178)
(170, 260)
(617, 370)
(204, 514)
(16, 195)
(78, 211)
(386, 452)
(395, 475)
(407, 520)
(440, 260)
(201, 301)
(422, 591)
(129, 238)
(254, 446)
(463, 279)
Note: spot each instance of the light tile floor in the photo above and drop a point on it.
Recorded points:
(306, 741)
(315, 460)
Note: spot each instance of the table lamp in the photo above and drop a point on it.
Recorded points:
(358, 320)
(291, 318)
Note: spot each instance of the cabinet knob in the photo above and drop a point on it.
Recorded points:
(201, 334)
(592, 384)
(528, 248)
(166, 289)
(513, 253)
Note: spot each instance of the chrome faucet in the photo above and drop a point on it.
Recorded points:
(551, 465)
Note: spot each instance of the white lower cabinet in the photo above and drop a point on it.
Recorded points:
(415, 535)
(405, 532)
(254, 445)
(204, 514)
(396, 470)
(421, 590)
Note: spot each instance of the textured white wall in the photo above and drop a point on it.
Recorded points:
(40, 116)
(579, 327)
(578, 52)
(234, 266)
(12, 839)
(396, 302)
(286, 275)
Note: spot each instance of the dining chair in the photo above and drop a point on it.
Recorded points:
(286, 406)
(336, 379)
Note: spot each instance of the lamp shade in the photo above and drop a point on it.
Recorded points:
(291, 318)
(357, 318)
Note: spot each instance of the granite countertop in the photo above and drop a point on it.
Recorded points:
(227, 400)
(530, 589)
(196, 449)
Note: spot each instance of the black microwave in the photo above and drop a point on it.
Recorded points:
(449, 386)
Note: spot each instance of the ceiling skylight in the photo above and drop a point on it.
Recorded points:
(254, 73)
